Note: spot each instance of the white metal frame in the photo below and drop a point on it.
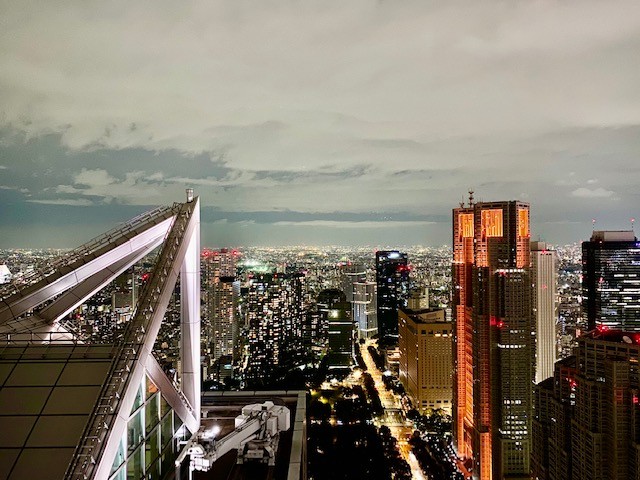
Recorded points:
(88, 269)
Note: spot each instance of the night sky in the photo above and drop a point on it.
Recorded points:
(299, 122)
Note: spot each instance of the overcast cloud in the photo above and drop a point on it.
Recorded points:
(355, 122)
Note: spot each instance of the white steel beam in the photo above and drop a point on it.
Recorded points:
(190, 315)
(174, 398)
(87, 288)
(139, 345)
(23, 301)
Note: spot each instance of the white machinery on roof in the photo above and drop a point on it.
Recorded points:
(256, 438)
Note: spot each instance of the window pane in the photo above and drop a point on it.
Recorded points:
(135, 465)
(138, 400)
(151, 413)
(152, 446)
(135, 430)
(119, 458)
(167, 429)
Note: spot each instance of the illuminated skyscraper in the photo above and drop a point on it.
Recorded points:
(341, 336)
(392, 278)
(276, 317)
(365, 310)
(222, 290)
(493, 350)
(544, 267)
(611, 280)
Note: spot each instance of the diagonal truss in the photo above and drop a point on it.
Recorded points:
(70, 281)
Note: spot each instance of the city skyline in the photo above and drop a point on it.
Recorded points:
(358, 124)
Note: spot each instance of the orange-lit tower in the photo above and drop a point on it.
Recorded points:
(463, 329)
(495, 337)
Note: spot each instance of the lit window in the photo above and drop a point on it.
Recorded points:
(492, 222)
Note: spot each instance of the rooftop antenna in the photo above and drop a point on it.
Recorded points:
(471, 198)
(633, 220)
(593, 224)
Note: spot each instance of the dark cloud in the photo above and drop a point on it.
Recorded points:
(305, 118)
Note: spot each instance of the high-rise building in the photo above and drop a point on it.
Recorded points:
(276, 317)
(341, 336)
(221, 290)
(611, 280)
(544, 266)
(494, 337)
(587, 417)
(351, 273)
(365, 310)
(424, 338)
(392, 278)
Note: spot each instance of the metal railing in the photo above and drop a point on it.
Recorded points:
(95, 435)
(40, 338)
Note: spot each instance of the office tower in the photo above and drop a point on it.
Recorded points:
(425, 338)
(222, 290)
(325, 302)
(365, 309)
(611, 280)
(392, 279)
(493, 370)
(351, 273)
(544, 266)
(276, 317)
(587, 417)
(341, 336)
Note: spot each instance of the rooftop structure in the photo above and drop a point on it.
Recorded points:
(78, 410)
(220, 410)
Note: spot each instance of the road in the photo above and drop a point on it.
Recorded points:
(394, 416)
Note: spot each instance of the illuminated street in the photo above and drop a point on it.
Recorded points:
(393, 416)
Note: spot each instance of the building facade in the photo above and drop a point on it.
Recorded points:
(351, 273)
(392, 279)
(341, 336)
(544, 267)
(275, 316)
(587, 417)
(611, 280)
(494, 344)
(425, 339)
(222, 290)
(365, 309)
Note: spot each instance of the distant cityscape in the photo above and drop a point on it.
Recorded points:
(309, 318)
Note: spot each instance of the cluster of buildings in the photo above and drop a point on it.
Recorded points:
(523, 404)
(490, 350)
(518, 413)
